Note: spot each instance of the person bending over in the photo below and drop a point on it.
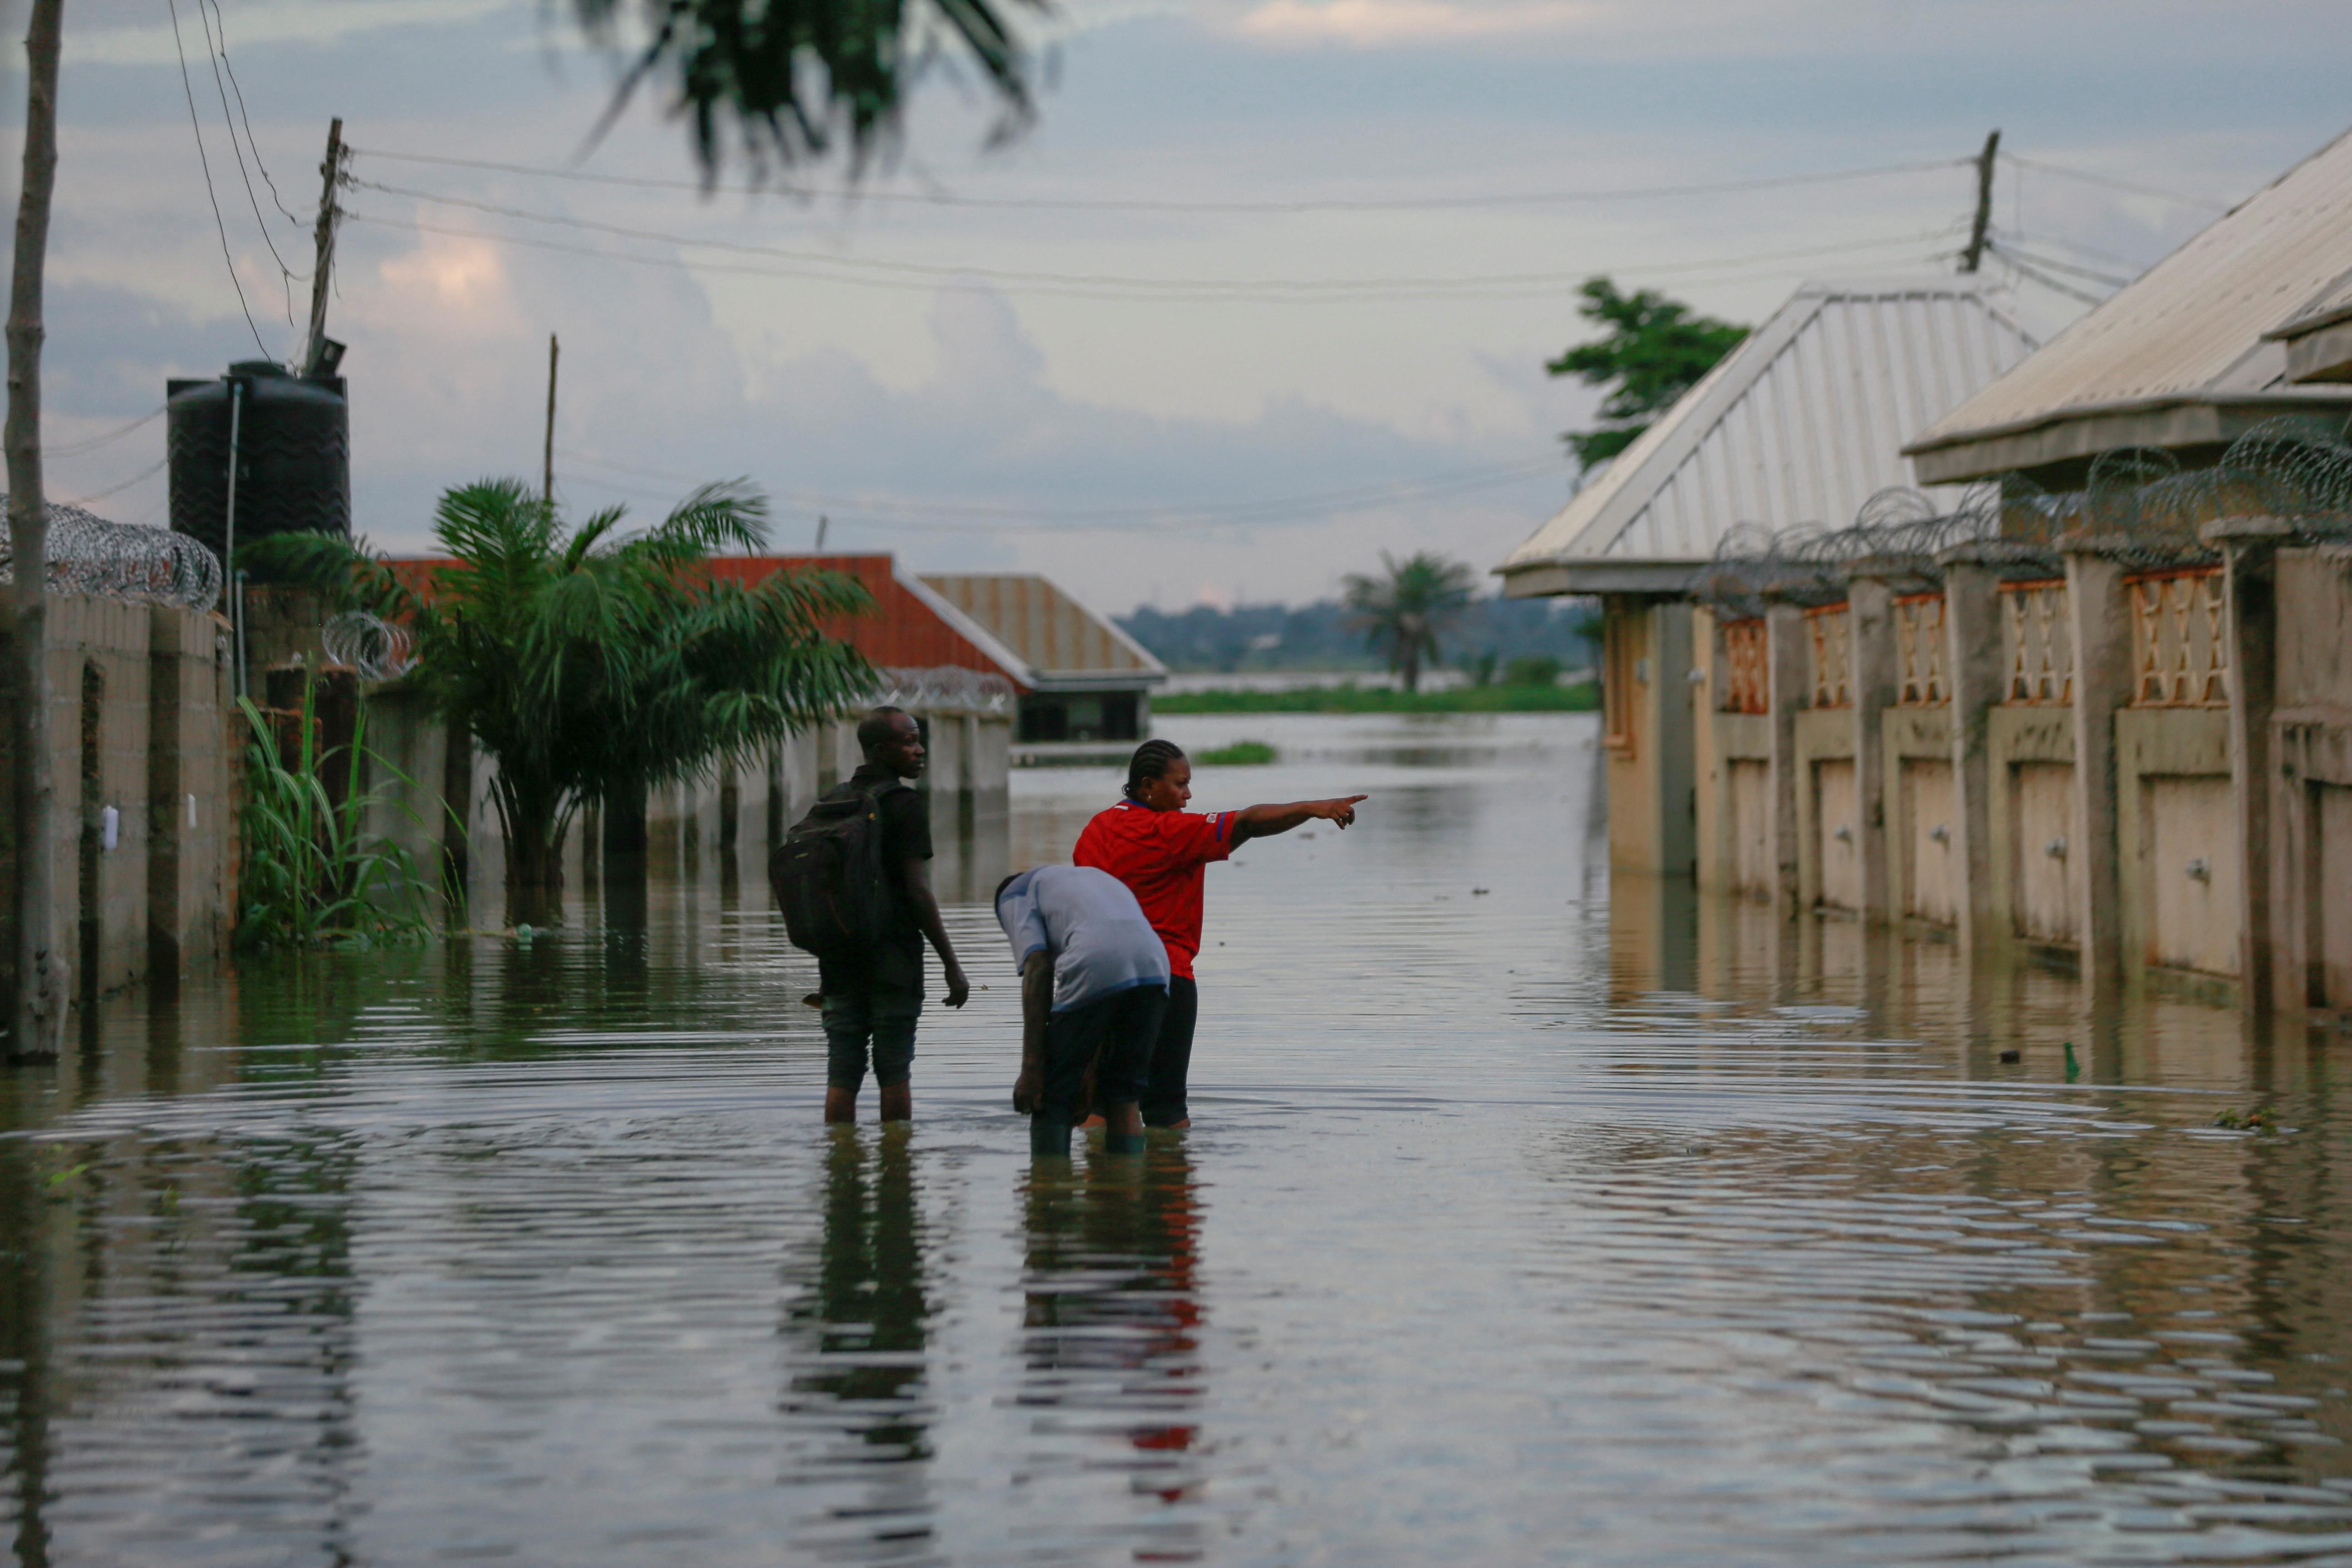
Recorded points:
(1150, 842)
(871, 1002)
(1093, 984)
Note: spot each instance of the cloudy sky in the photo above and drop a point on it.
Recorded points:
(1265, 291)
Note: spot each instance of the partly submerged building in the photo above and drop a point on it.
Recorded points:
(1799, 425)
(1084, 678)
(2240, 326)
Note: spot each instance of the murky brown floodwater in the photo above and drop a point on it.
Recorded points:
(1518, 1226)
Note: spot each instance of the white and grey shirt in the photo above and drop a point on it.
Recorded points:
(1100, 942)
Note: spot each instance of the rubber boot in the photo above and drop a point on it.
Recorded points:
(1048, 1139)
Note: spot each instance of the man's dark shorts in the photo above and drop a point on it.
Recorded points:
(1115, 1033)
(871, 1011)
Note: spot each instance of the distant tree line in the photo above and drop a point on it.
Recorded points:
(1327, 635)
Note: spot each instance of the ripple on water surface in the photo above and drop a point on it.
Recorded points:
(1520, 1223)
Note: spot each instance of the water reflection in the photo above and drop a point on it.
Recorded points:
(1111, 1349)
(1528, 1219)
(858, 1398)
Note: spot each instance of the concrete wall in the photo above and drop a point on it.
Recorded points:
(1731, 764)
(1829, 866)
(2313, 737)
(2030, 764)
(1648, 733)
(1922, 879)
(2181, 891)
(139, 732)
(722, 826)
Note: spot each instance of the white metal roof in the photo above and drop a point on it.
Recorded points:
(1801, 423)
(2192, 327)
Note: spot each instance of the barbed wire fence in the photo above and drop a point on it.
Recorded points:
(2137, 504)
(88, 554)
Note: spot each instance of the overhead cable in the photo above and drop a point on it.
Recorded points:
(216, 55)
(1089, 203)
(2055, 265)
(140, 476)
(92, 444)
(846, 266)
(1207, 513)
(2132, 186)
(221, 24)
(205, 164)
(2026, 269)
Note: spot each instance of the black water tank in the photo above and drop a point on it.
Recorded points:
(294, 455)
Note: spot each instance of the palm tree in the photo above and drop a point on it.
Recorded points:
(792, 79)
(593, 664)
(1401, 613)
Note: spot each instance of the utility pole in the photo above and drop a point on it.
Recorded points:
(37, 1013)
(547, 491)
(1981, 231)
(323, 269)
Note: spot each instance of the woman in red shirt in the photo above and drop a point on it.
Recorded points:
(1161, 852)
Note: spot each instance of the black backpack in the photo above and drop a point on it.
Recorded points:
(829, 876)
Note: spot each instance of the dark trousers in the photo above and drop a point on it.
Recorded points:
(1171, 1056)
(1113, 1034)
(866, 1016)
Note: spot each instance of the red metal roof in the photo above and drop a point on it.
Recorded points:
(904, 630)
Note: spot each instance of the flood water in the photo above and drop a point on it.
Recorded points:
(1520, 1223)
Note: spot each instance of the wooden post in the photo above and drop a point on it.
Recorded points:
(37, 1010)
(547, 490)
(323, 270)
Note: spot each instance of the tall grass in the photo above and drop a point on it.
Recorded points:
(311, 876)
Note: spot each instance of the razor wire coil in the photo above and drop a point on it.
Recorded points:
(88, 554)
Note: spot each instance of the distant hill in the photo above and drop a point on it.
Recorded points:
(1318, 637)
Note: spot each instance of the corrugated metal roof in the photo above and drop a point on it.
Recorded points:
(1801, 423)
(2192, 326)
(1061, 638)
(911, 626)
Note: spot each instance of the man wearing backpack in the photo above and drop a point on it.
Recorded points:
(851, 882)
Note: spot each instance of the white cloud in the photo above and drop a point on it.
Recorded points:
(273, 22)
(1378, 22)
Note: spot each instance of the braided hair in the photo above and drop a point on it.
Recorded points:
(1150, 762)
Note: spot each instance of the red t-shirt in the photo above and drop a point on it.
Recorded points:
(1163, 857)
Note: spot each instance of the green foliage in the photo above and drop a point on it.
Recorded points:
(791, 79)
(1582, 697)
(1653, 350)
(1402, 612)
(1535, 669)
(594, 663)
(311, 876)
(1240, 754)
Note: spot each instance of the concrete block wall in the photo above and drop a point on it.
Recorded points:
(141, 751)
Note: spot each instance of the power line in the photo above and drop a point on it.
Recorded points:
(1210, 513)
(1728, 271)
(196, 125)
(1062, 281)
(221, 23)
(2114, 183)
(139, 478)
(75, 449)
(1076, 204)
(215, 54)
(2075, 269)
(2026, 271)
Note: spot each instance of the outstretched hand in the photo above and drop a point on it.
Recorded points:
(1341, 810)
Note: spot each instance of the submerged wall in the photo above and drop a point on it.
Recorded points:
(141, 755)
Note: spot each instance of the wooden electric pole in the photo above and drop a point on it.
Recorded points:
(36, 1012)
(322, 271)
(547, 490)
(1983, 229)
